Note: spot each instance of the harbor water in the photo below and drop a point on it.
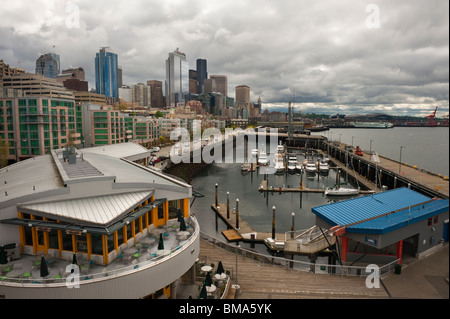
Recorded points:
(425, 147)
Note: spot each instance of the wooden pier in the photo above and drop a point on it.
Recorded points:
(244, 232)
(264, 188)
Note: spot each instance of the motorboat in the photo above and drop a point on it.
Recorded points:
(310, 166)
(299, 166)
(339, 190)
(246, 167)
(280, 148)
(279, 163)
(292, 162)
(254, 152)
(323, 166)
(262, 158)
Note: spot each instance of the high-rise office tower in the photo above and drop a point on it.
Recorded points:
(177, 77)
(202, 74)
(107, 73)
(221, 83)
(48, 65)
(242, 95)
(156, 94)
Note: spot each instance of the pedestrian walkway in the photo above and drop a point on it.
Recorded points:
(425, 278)
(422, 279)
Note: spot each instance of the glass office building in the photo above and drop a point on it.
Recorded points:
(177, 77)
(48, 65)
(202, 74)
(106, 73)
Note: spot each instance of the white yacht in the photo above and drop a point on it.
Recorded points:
(254, 152)
(323, 166)
(338, 190)
(262, 158)
(310, 166)
(292, 162)
(279, 163)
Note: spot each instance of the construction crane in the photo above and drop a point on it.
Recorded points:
(432, 118)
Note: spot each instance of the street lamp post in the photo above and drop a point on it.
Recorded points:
(400, 162)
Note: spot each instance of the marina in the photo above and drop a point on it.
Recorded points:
(339, 180)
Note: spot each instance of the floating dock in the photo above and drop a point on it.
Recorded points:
(264, 188)
(244, 232)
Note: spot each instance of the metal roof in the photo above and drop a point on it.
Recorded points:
(394, 204)
(94, 229)
(397, 220)
(100, 210)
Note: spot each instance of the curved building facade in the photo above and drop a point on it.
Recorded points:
(128, 227)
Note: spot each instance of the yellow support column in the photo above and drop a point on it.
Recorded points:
(186, 207)
(105, 249)
(89, 245)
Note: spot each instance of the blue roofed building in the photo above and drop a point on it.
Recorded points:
(386, 226)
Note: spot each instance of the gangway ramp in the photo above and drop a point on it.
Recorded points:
(308, 241)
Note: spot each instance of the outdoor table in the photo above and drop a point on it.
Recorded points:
(211, 288)
(206, 268)
(221, 276)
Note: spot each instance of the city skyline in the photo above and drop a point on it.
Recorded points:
(346, 57)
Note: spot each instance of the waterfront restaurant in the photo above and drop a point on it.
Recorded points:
(383, 227)
(121, 220)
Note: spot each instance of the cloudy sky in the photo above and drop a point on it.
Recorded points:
(328, 56)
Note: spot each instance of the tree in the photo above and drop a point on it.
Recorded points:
(159, 114)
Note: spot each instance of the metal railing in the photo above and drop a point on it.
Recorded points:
(342, 270)
(105, 274)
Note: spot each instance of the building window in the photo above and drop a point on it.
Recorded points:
(161, 211)
(430, 221)
(436, 219)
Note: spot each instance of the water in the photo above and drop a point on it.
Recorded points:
(426, 147)
(255, 207)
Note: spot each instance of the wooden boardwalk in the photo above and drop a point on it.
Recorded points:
(264, 281)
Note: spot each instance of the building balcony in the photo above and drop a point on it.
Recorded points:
(139, 268)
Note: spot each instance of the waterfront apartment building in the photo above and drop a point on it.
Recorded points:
(103, 125)
(35, 125)
(106, 73)
(128, 226)
(48, 65)
(177, 78)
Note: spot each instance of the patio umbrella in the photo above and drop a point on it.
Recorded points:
(161, 242)
(179, 215)
(208, 280)
(74, 261)
(203, 293)
(3, 258)
(43, 267)
(182, 225)
(220, 269)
